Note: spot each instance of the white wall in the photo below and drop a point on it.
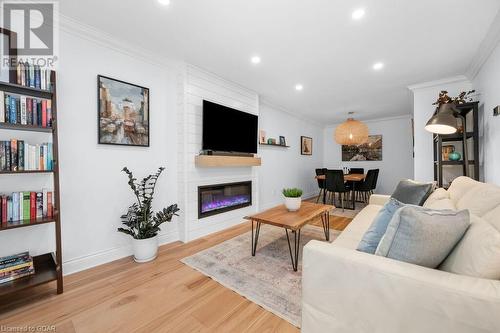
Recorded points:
(94, 192)
(397, 161)
(423, 96)
(487, 83)
(286, 167)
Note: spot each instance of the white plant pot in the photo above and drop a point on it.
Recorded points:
(293, 204)
(145, 249)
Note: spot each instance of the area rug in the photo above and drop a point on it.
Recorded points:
(348, 212)
(266, 279)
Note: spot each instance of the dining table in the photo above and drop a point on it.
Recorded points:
(352, 178)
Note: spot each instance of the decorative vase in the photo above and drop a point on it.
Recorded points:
(454, 156)
(293, 204)
(145, 249)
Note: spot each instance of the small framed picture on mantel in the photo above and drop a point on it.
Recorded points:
(123, 113)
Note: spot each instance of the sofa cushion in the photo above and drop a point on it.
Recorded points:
(438, 194)
(413, 193)
(460, 186)
(377, 229)
(478, 253)
(351, 236)
(442, 204)
(480, 199)
(423, 236)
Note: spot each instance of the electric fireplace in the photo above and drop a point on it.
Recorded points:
(220, 198)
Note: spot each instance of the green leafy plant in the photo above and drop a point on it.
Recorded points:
(463, 97)
(140, 221)
(292, 192)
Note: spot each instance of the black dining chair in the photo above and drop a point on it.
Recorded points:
(321, 182)
(335, 184)
(365, 188)
(357, 171)
(374, 185)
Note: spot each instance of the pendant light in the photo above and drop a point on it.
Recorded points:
(351, 132)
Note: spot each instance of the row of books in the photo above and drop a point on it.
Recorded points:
(18, 155)
(16, 266)
(33, 76)
(25, 110)
(20, 206)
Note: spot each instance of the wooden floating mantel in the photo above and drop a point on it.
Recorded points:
(214, 161)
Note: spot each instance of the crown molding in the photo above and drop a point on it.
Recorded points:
(440, 82)
(268, 103)
(375, 120)
(486, 48)
(87, 32)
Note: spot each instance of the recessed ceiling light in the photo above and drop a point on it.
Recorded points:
(255, 60)
(378, 66)
(164, 2)
(358, 14)
(299, 87)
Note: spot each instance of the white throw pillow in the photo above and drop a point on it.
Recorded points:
(438, 194)
(442, 204)
(478, 253)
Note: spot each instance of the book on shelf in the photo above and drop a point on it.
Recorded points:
(18, 155)
(33, 76)
(26, 206)
(24, 110)
(16, 266)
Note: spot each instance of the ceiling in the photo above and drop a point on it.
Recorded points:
(315, 43)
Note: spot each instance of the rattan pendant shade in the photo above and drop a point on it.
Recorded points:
(351, 132)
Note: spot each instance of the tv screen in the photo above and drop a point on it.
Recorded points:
(228, 130)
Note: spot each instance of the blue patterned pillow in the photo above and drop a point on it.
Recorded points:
(379, 225)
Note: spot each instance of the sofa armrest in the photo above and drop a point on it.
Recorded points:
(345, 290)
(379, 199)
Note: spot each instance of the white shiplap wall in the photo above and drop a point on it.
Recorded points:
(199, 85)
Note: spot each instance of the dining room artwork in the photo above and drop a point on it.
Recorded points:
(370, 150)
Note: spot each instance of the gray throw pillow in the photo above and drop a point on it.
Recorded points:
(412, 193)
(423, 236)
(377, 229)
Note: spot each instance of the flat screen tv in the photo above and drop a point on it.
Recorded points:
(228, 130)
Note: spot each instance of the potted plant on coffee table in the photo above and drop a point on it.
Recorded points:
(140, 221)
(293, 198)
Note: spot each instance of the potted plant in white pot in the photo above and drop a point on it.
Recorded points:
(140, 221)
(293, 198)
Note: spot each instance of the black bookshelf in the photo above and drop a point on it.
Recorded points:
(472, 134)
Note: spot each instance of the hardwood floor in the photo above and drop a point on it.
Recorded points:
(162, 296)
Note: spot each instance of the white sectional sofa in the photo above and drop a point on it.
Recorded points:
(345, 290)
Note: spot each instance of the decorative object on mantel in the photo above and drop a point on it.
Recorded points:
(496, 111)
(123, 111)
(282, 141)
(140, 221)
(370, 150)
(293, 198)
(444, 119)
(306, 144)
(271, 141)
(351, 132)
(262, 137)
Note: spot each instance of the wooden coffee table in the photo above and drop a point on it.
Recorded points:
(294, 221)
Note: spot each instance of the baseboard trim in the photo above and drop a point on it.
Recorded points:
(103, 257)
